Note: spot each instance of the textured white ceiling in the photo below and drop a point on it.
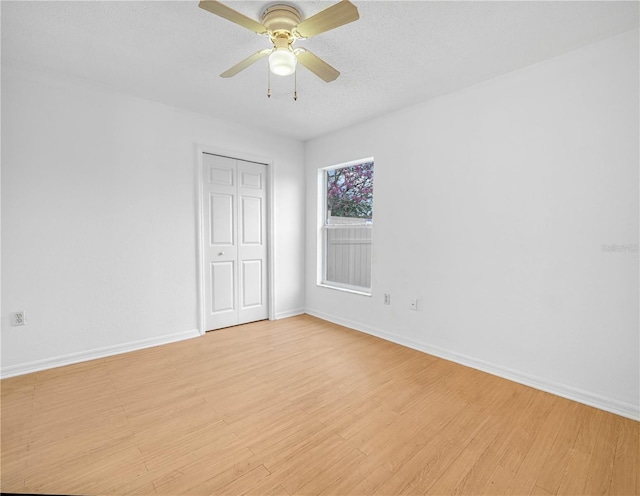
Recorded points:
(397, 54)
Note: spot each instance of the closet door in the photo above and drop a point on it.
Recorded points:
(235, 248)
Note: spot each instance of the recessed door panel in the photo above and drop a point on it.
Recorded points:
(251, 221)
(222, 287)
(222, 226)
(218, 175)
(251, 283)
(251, 180)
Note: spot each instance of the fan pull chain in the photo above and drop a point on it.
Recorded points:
(295, 86)
(268, 82)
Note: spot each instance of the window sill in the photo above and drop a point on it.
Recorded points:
(362, 292)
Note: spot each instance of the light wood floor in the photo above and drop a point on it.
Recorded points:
(301, 406)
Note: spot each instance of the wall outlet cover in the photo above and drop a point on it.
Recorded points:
(17, 318)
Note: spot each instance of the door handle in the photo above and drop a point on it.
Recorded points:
(221, 253)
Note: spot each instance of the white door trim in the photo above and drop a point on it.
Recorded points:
(200, 149)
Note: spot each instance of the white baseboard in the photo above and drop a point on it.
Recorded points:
(289, 313)
(581, 396)
(83, 356)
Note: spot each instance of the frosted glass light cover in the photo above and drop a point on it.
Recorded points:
(282, 62)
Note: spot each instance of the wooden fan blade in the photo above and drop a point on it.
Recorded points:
(245, 63)
(228, 13)
(330, 18)
(316, 65)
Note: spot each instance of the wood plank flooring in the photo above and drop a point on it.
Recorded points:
(302, 407)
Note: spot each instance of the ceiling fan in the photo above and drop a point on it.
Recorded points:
(283, 25)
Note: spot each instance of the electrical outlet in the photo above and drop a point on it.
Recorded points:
(17, 318)
(387, 299)
(413, 304)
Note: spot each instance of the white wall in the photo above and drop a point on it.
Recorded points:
(99, 210)
(491, 207)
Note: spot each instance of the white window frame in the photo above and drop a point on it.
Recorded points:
(323, 228)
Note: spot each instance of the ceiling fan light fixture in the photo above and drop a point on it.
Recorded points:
(282, 61)
(283, 24)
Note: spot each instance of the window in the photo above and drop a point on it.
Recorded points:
(347, 207)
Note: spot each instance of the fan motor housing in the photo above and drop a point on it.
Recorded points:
(281, 17)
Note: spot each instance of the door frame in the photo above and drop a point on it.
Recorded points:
(214, 150)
